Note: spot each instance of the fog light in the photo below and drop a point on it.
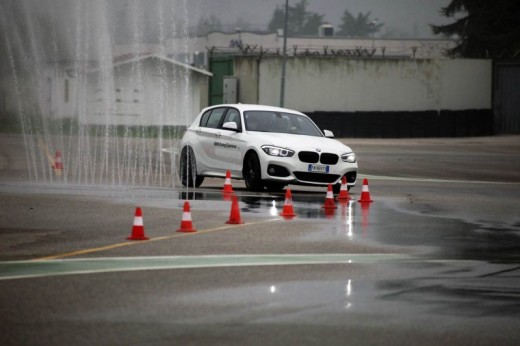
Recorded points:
(277, 171)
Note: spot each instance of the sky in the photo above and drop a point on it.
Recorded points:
(407, 16)
(60, 28)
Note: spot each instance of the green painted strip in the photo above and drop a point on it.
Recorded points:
(47, 268)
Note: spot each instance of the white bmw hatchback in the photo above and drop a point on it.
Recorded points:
(268, 147)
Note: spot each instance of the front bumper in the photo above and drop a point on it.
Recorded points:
(291, 170)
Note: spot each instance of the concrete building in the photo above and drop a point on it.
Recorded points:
(198, 50)
(358, 87)
(146, 89)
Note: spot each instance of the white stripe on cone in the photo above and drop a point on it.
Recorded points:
(138, 221)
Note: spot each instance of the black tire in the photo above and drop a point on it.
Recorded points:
(188, 169)
(252, 172)
(336, 188)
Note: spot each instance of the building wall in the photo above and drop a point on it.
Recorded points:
(9, 102)
(247, 71)
(336, 84)
(50, 93)
(506, 100)
(377, 97)
(149, 92)
(160, 94)
(250, 43)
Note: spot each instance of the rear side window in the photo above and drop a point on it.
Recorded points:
(204, 118)
(212, 118)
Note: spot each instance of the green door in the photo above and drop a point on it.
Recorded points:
(220, 67)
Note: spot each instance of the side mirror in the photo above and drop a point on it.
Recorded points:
(328, 134)
(231, 126)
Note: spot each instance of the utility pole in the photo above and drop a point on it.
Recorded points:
(284, 54)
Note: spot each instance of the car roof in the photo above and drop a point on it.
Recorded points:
(252, 107)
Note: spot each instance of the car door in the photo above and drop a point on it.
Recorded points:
(229, 144)
(207, 133)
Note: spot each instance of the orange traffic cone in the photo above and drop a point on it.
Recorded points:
(186, 224)
(329, 213)
(58, 163)
(343, 192)
(138, 227)
(329, 200)
(365, 193)
(227, 183)
(234, 215)
(288, 211)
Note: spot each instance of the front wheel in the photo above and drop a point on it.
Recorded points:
(336, 188)
(188, 169)
(252, 172)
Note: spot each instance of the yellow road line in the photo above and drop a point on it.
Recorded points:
(129, 243)
(46, 151)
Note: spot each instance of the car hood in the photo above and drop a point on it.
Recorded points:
(301, 142)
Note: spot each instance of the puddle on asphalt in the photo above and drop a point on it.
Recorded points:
(399, 291)
(386, 221)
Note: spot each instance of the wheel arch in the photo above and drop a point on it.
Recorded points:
(252, 170)
(250, 151)
(191, 178)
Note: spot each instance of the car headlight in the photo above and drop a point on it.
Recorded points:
(350, 157)
(277, 151)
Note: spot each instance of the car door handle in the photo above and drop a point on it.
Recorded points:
(218, 134)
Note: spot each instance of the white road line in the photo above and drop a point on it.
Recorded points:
(432, 180)
(10, 270)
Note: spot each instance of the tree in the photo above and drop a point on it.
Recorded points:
(360, 26)
(484, 28)
(207, 25)
(300, 21)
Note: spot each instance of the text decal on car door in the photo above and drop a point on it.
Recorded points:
(225, 145)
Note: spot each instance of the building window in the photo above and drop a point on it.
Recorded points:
(66, 93)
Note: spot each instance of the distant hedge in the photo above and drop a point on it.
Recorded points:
(10, 123)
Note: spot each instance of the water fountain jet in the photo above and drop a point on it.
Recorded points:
(98, 81)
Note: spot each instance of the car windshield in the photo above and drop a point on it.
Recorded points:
(268, 121)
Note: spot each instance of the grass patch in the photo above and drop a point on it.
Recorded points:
(10, 123)
(165, 132)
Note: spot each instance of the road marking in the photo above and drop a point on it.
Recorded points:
(130, 243)
(45, 150)
(11, 270)
(432, 180)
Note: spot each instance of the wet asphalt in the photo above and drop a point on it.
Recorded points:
(434, 259)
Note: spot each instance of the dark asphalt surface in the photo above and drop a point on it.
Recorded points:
(434, 259)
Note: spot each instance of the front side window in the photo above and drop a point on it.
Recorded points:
(233, 115)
